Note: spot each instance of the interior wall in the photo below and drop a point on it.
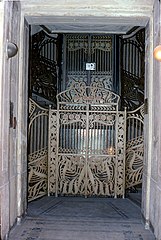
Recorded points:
(1, 84)
(22, 126)
(8, 140)
(151, 195)
(155, 179)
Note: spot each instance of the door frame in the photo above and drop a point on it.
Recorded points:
(148, 117)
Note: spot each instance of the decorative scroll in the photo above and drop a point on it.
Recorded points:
(79, 93)
(37, 174)
(121, 153)
(96, 80)
(94, 178)
(134, 147)
(52, 148)
(101, 176)
(72, 175)
(37, 151)
(102, 81)
(134, 162)
(84, 48)
(43, 66)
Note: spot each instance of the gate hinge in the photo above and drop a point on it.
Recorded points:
(13, 121)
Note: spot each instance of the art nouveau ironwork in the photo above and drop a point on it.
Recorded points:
(132, 69)
(44, 66)
(92, 147)
(37, 151)
(88, 153)
(87, 146)
(82, 49)
(134, 147)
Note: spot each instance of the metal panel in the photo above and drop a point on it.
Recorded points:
(134, 147)
(81, 49)
(44, 66)
(133, 69)
(37, 151)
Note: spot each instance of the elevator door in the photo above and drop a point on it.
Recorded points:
(89, 59)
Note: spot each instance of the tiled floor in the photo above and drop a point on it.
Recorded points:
(76, 218)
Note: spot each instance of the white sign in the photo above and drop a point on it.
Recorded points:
(90, 66)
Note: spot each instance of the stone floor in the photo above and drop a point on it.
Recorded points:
(76, 218)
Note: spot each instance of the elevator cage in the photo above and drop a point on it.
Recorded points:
(84, 144)
(90, 151)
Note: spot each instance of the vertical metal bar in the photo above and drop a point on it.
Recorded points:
(79, 59)
(87, 146)
(89, 59)
(133, 125)
(84, 139)
(135, 128)
(140, 128)
(57, 153)
(101, 140)
(94, 137)
(106, 133)
(38, 133)
(47, 53)
(31, 137)
(111, 136)
(116, 152)
(35, 134)
(73, 137)
(126, 52)
(79, 137)
(49, 151)
(76, 137)
(64, 67)
(64, 136)
(135, 63)
(42, 132)
(124, 158)
(90, 140)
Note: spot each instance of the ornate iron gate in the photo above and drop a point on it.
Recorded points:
(87, 143)
(134, 147)
(89, 139)
(37, 151)
(81, 50)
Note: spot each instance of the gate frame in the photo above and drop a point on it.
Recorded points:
(109, 107)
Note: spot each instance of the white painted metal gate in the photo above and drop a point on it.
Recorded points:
(86, 147)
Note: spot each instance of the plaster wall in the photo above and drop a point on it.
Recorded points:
(87, 8)
(155, 179)
(8, 140)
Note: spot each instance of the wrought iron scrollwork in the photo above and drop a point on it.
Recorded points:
(132, 70)
(43, 66)
(134, 147)
(37, 151)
